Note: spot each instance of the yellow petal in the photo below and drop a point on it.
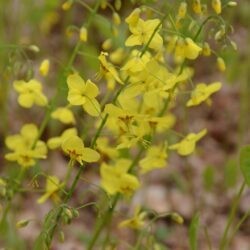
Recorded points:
(92, 107)
(90, 155)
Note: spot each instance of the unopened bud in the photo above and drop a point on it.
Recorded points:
(116, 18)
(182, 10)
(67, 5)
(221, 64)
(118, 4)
(34, 48)
(83, 34)
(177, 218)
(61, 237)
(216, 5)
(22, 223)
(107, 44)
(44, 67)
(232, 4)
(206, 50)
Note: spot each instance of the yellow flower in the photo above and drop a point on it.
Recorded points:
(83, 34)
(56, 142)
(115, 179)
(137, 221)
(52, 188)
(197, 6)
(81, 93)
(74, 147)
(64, 115)
(187, 48)
(133, 18)
(30, 93)
(155, 158)
(142, 32)
(104, 149)
(107, 69)
(136, 63)
(216, 5)
(187, 145)
(67, 5)
(182, 10)
(24, 152)
(44, 67)
(202, 92)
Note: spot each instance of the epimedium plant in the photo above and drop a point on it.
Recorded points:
(129, 105)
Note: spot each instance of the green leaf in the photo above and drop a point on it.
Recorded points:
(193, 232)
(245, 163)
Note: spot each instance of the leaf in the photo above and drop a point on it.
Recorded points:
(193, 231)
(245, 163)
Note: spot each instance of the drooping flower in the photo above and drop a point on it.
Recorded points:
(202, 92)
(115, 179)
(74, 147)
(53, 186)
(155, 158)
(24, 151)
(81, 93)
(137, 221)
(107, 69)
(30, 93)
(187, 48)
(187, 145)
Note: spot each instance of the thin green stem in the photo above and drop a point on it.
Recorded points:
(145, 48)
(103, 222)
(236, 228)
(69, 170)
(203, 24)
(224, 242)
(209, 244)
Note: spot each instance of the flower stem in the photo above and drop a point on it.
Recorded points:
(224, 242)
(103, 222)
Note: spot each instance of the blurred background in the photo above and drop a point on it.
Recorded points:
(205, 182)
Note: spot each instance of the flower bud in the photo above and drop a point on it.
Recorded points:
(22, 223)
(177, 218)
(216, 5)
(44, 67)
(206, 49)
(34, 48)
(118, 4)
(182, 10)
(67, 5)
(221, 64)
(197, 6)
(232, 4)
(116, 18)
(83, 34)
